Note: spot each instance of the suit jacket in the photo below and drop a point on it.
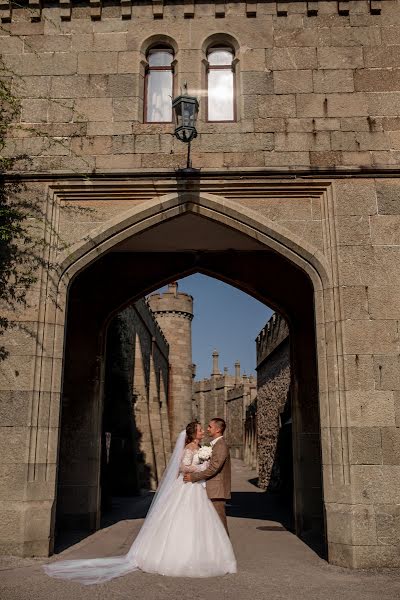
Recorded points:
(218, 473)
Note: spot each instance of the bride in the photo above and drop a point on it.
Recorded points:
(182, 535)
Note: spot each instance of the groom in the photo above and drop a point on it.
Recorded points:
(218, 473)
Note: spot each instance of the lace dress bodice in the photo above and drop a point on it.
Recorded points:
(190, 462)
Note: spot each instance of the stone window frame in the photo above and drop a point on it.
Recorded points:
(162, 41)
(222, 40)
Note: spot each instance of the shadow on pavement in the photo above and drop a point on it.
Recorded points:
(262, 506)
(265, 506)
(122, 508)
(275, 509)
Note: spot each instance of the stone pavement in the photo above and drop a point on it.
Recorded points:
(272, 564)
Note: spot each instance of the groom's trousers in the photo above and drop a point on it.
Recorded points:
(219, 505)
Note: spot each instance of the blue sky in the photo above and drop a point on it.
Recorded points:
(225, 319)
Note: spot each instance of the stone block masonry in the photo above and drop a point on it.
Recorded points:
(323, 64)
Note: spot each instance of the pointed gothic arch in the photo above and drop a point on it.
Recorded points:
(105, 252)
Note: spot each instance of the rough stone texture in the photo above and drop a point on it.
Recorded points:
(273, 400)
(341, 65)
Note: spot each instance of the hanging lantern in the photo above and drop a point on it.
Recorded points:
(185, 110)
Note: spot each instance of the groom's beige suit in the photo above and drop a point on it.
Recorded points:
(218, 477)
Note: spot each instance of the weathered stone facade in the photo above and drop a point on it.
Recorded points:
(297, 203)
(226, 396)
(273, 402)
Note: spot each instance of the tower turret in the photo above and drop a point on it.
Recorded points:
(174, 313)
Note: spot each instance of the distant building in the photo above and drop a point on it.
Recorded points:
(227, 396)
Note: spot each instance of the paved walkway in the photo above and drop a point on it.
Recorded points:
(273, 564)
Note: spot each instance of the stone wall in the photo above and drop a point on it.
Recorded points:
(297, 203)
(273, 400)
(226, 396)
(315, 87)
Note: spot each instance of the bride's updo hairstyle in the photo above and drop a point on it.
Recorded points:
(191, 432)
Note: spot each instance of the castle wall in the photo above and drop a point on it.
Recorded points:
(314, 87)
(273, 399)
(308, 171)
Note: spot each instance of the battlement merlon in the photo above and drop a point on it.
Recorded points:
(271, 336)
(172, 302)
(126, 9)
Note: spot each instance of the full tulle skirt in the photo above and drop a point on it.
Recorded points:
(184, 537)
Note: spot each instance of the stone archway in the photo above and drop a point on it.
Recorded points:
(168, 237)
(162, 240)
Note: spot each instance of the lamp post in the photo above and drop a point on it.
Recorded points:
(185, 109)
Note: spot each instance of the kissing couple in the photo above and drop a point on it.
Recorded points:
(185, 532)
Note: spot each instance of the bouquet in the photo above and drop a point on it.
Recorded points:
(205, 453)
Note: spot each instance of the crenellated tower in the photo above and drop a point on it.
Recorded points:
(174, 313)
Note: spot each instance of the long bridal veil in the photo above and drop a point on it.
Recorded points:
(98, 570)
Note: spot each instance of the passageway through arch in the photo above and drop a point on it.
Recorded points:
(187, 242)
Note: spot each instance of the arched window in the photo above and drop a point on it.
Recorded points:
(220, 84)
(159, 86)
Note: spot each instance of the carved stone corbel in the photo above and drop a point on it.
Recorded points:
(343, 7)
(5, 11)
(375, 7)
(312, 9)
(65, 10)
(95, 9)
(251, 9)
(188, 9)
(35, 10)
(281, 8)
(158, 9)
(126, 9)
(220, 9)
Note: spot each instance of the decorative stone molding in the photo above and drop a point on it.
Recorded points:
(188, 7)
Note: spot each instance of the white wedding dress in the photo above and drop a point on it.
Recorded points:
(182, 535)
